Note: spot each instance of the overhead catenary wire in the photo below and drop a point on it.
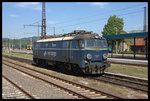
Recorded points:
(93, 21)
(102, 19)
(102, 13)
(95, 14)
(36, 22)
(98, 19)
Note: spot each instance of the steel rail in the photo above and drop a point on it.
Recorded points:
(73, 83)
(49, 82)
(101, 80)
(21, 89)
(126, 80)
(142, 80)
(113, 62)
(124, 83)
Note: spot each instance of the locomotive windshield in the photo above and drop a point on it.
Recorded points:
(96, 43)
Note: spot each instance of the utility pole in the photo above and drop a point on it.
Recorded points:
(12, 44)
(144, 27)
(34, 26)
(9, 42)
(63, 31)
(144, 30)
(31, 41)
(5, 44)
(20, 44)
(38, 31)
(43, 30)
(54, 31)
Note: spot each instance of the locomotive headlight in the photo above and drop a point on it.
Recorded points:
(89, 56)
(104, 56)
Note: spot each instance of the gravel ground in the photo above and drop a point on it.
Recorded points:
(37, 88)
(122, 91)
(9, 91)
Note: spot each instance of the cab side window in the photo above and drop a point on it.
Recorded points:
(49, 45)
(65, 44)
(80, 43)
(46, 45)
(54, 44)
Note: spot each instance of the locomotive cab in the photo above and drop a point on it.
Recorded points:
(95, 56)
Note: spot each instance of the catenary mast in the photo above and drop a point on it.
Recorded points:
(43, 30)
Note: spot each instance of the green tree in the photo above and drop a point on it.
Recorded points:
(114, 26)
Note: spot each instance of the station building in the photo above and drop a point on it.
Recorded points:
(139, 45)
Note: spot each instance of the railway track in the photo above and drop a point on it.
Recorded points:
(74, 88)
(130, 82)
(20, 89)
(109, 60)
(133, 83)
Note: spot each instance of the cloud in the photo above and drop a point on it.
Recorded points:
(80, 3)
(27, 4)
(51, 22)
(13, 15)
(32, 5)
(38, 8)
(99, 4)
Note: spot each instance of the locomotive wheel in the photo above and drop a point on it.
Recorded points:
(102, 70)
(37, 61)
(68, 67)
(86, 69)
(75, 69)
(34, 60)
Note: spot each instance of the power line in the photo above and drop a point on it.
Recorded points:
(98, 19)
(103, 13)
(95, 15)
(36, 22)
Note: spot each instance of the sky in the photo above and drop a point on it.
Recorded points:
(68, 16)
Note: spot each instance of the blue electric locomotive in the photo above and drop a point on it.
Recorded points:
(86, 53)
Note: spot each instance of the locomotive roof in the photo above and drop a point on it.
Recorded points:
(89, 36)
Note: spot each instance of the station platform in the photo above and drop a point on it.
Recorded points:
(129, 61)
(128, 56)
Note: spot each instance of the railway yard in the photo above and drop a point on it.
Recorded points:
(100, 56)
(21, 78)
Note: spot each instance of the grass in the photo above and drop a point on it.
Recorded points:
(141, 72)
(19, 55)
